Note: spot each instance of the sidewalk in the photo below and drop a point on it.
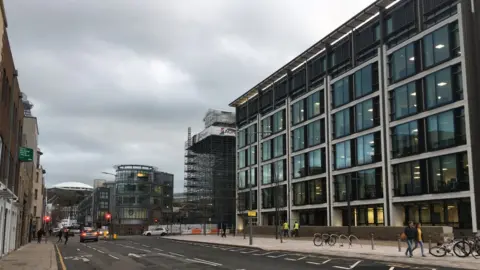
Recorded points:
(31, 256)
(384, 251)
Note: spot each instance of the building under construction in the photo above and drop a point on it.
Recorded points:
(210, 171)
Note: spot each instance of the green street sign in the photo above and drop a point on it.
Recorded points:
(26, 154)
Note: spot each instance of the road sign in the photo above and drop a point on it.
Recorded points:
(25, 154)
(252, 213)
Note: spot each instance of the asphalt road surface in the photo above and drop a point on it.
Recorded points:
(145, 252)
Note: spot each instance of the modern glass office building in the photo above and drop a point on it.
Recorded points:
(142, 195)
(383, 108)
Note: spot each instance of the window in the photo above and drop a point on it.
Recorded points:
(298, 138)
(103, 195)
(405, 139)
(299, 166)
(404, 101)
(267, 174)
(34, 211)
(366, 185)
(241, 138)
(242, 159)
(449, 173)
(436, 47)
(252, 134)
(343, 157)
(315, 132)
(315, 165)
(298, 112)
(252, 159)
(341, 92)
(279, 171)
(253, 177)
(266, 127)
(278, 121)
(267, 198)
(103, 204)
(279, 146)
(300, 191)
(313, 105)
(340, 184)
(363, 81)
(267, 150)
(445, 130)
(36, 194)
(408, 178)
(364, 115)
(439, 88)
(366, 149)
(342, 123)
(402, 63)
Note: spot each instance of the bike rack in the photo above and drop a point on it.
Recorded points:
(353, 236)
(343, 236)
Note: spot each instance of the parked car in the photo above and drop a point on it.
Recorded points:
(157, 231)
(88, 234)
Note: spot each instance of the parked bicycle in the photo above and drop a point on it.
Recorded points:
(467, 247)
(320, 239)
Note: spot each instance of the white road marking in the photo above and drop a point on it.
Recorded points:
(113, 256)
(248, 252)
(391, 268)
(290, 259)
(134, 255)
(275, 257)
(85, 260)
(176, 254)
(348, 268)
(100, 251)
(262, 254)
(204, 262)
(78, 249)
(237, 249)
(218, 264)
(145, 246)
(158, 249)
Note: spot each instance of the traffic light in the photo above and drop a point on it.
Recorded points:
(155, 220)
(108, 216)
(46, 218)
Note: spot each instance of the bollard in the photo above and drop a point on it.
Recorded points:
(373, 244)
(399, 244)
(429, 242)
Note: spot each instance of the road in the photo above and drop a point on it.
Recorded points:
(144, 252)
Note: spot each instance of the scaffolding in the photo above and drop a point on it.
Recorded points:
(210, 171)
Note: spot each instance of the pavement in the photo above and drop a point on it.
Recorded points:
(31, 256)
(151, 252)
(382, 253)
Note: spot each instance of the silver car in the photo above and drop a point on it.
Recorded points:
(88, 234)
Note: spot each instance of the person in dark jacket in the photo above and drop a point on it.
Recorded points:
(60, 232)
(412, 236)
(40, 234)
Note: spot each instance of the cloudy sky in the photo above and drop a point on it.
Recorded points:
(119, 81)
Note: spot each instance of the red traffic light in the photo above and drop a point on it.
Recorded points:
(155, 220)
(108, 216)
(46, 218)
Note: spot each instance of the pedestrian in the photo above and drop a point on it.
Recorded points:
(285, 229)
(419, 241)
(59, 236)
(224, 230)
(411, 236)
(65, 232)
(39, 235)
(296, 228)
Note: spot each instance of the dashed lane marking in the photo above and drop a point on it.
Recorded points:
(263, 254)
(157, 249)
(275, 257)
(318, 263)
(249, 251)
(145, 246)
(113, 257)
(176, 254)
(348, 268)
(291, 259)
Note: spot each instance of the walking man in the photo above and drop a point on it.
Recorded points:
(65, 232)
(411, 234)
(59, 236)
(224, 230)
(39, 235)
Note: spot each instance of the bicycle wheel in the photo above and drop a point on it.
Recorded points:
(462, 249)
(438, 251)
(317, 240)
(332, 240)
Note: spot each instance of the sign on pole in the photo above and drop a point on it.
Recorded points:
(25, 154)
(252, 213)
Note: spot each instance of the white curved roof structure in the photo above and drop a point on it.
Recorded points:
(73, 186)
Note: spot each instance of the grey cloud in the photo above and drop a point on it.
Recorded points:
(119, 81)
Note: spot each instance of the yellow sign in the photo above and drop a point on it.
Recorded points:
(252, 213)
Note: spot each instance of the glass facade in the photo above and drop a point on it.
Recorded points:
(386, 110)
